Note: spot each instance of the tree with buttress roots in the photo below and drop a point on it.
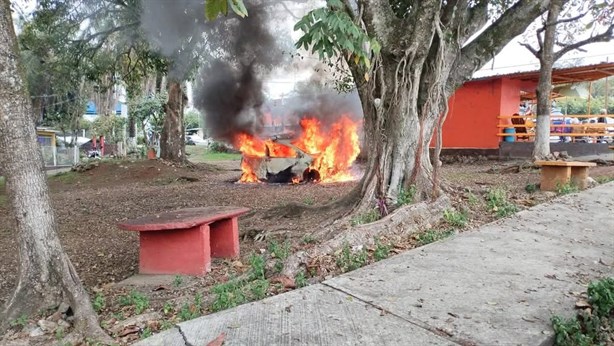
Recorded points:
(46, 275)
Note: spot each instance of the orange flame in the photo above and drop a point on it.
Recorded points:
(334, 149)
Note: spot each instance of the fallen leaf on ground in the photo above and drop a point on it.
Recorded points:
(285, 281)
(129, 330)
(219, 341)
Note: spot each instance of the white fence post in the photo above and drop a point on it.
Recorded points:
(55, 157)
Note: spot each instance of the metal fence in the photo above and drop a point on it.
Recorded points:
(62, 156)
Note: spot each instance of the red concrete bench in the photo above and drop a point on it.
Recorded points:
(556, 173)
(183, 241)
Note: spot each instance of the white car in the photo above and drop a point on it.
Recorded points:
(197, 140)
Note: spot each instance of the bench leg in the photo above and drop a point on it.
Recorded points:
(553, 176)
(579, 176)
(225, 238)
(181, 251)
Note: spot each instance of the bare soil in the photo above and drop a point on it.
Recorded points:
(88, 206)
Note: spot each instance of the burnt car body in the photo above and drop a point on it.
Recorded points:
(275, 169)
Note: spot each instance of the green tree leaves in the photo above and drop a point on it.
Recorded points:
(330, 32)
(213, 8)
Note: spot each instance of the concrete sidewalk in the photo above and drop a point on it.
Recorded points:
(496, 285)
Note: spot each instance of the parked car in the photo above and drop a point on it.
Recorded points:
(196, 140)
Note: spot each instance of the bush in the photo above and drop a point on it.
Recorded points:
(219, 147)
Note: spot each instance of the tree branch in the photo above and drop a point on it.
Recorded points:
(531, 49)
(603, 37)
(510, 24)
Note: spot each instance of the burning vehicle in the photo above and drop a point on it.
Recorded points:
(319, 154)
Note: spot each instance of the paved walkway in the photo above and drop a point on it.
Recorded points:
(497, 285)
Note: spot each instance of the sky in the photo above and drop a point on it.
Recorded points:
(513, 58)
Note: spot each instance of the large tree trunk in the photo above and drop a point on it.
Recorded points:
(546, 58)
(46, 275)
(172, 138)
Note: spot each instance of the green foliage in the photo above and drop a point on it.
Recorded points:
(300, 280)
(167, 308)
(177, 281)
(473, 199)
(530, 188)
(367, 217)
(381, 251)
(497, 201)
(589, 329)
(455, 218)
(257, 264)
(308, 239)
(600, 180)
(330, 32)
(21, 321)
(136, 299)
(406, 196)
(111, 127)
(148, 112)
(192, 119)
(566, 188)
(228, 295)
(99, 302)
(433, 235)
(59, 333)
(309, 200)
(213, 8)
(280, 251)
(259, 288)
(146, 333)
(348, 260)
(191, 311)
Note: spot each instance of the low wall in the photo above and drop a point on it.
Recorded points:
(520, 150)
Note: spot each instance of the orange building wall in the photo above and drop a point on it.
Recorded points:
(473, 109)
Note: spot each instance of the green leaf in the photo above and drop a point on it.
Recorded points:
(238, 7)
(375, 47)
(214, 7)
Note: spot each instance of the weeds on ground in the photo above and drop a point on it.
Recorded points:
(236, 292)
(65, 177)
(589, 328)
(21, 321)
(177, 281)
(455, 218)
(367, 217)
(309, 200)
(300, 280)
(473, 199)
(406, 196)
(497, 201)
(146, 333)
(308, 239)
(566, 188)
(432, 235)
(381, 251)
(348, 260)
(530, 188)
(600, 180)
(279, 251)
(191, 311)
(136, 299)
(99, 302)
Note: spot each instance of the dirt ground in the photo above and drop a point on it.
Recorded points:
(88, 206)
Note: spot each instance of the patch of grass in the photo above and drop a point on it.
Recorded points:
(136, 299)
(146, 333)
(455, 218)
(308, 239)
(406, 196)
(118, 315)
(497, 201)
(258, 288)
(99, 302)
(300, 280)
(381, 251)
(365, 218)
(309, 200)
(228, 295)
(600, 180)
(203, 154)
(21, 321)
(433, 235)
(166, 324)
(177, 281)
(69, 177)
(191, 311)
(567, 188)
(257, 264)
(349, 260)
(60, 333)
(530, 188)
(280, 251)
(167, 308)
(473, 199)
(589, 328)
